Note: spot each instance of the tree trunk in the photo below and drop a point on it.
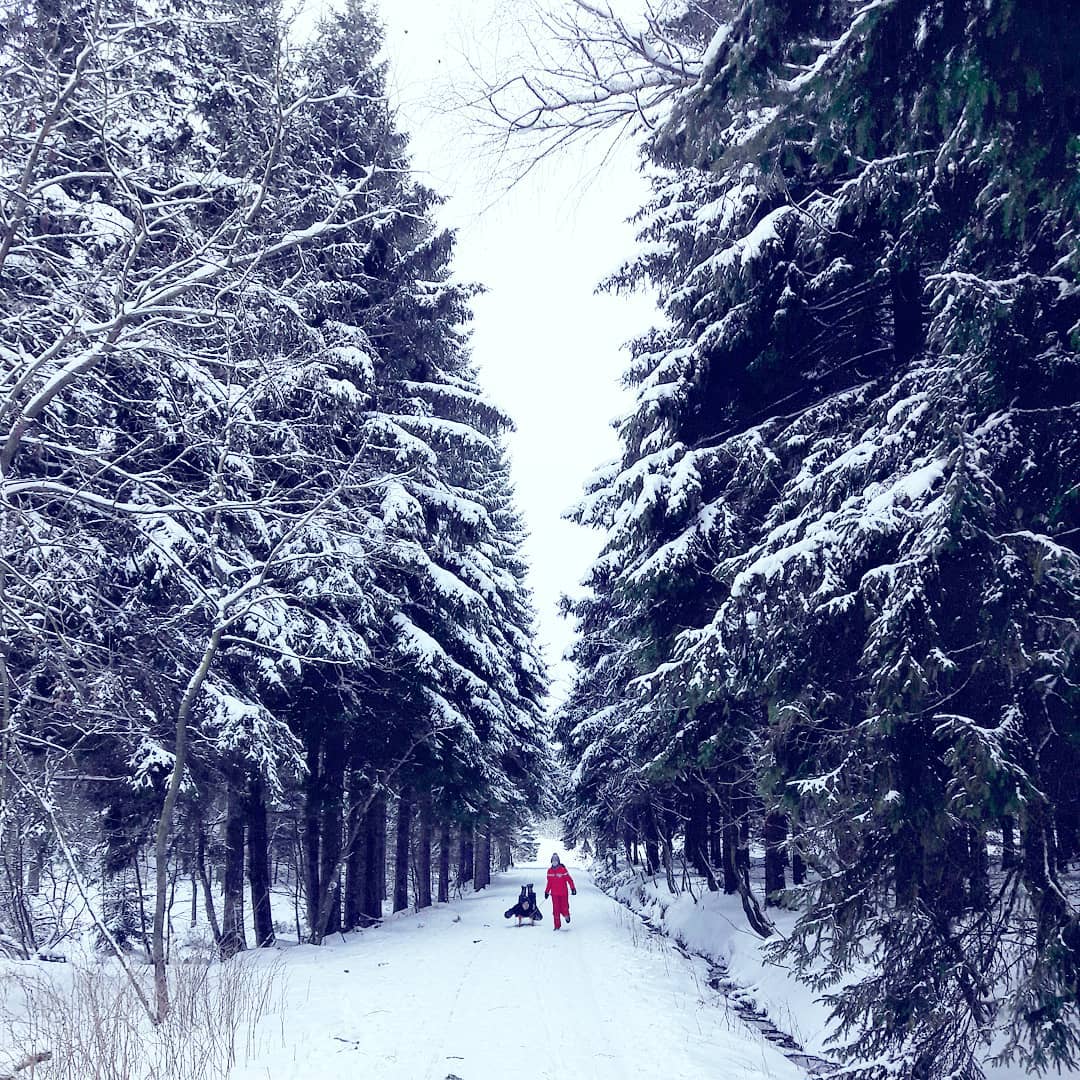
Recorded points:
(908, 335)
(354, 863)
(757, 919)
(945, 870)
(401, 851)
(482, 861)
(742, 808)
(1009, 856)
(1066, 830)
(37, 865)
(194, 895)
(775, 857)
(232, 918)
(208, 892)
(465, 856)
(160, 1008)
(652, 844)
(374, 863)
(668, 861)
(729, 861)
(444, 863)
(798, 865)
(380, 853)
(502, 844)
(330, 837)
(1051, 909)
(312, 827)
(423, 856)
(259, 863)
(141, 894)
(907, 865)
(696, 835)
(716, 833)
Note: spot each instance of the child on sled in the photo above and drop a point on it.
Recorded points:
(526, 907)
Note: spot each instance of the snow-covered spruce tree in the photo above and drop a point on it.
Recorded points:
(462, 625)
(911, 500)
(640, 775)
(234, 373)
(871, 376)
(667, 524)
(170, 420)
(345, 141)
(451, 654)
(524, 747)
(76, 225)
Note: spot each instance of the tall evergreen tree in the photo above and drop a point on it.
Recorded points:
(841, 556)
(248, 476)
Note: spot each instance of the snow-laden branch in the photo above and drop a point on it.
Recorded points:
(105, 337)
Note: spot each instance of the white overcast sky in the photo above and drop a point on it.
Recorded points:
(549, 349)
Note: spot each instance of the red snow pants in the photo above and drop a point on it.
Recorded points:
(560, 906)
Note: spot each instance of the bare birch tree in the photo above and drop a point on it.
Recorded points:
(596, 69)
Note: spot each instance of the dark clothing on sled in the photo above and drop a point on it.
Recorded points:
(526, 906)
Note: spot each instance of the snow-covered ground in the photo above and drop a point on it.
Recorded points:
(459, 991)
(713, 925)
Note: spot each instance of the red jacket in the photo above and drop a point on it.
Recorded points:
(559, 881)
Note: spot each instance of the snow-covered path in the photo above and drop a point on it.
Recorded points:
(458, 991)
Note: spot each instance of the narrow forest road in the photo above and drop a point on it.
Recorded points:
(460, 992)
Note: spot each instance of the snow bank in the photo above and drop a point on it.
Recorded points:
(714, 926)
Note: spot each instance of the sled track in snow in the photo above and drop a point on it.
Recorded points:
(739, 1000)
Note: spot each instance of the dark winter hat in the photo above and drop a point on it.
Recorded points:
(555, 860)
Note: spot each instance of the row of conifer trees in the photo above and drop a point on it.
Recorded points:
(261, 567)
(836, 613)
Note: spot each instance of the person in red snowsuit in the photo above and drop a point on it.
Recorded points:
(558, 882)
